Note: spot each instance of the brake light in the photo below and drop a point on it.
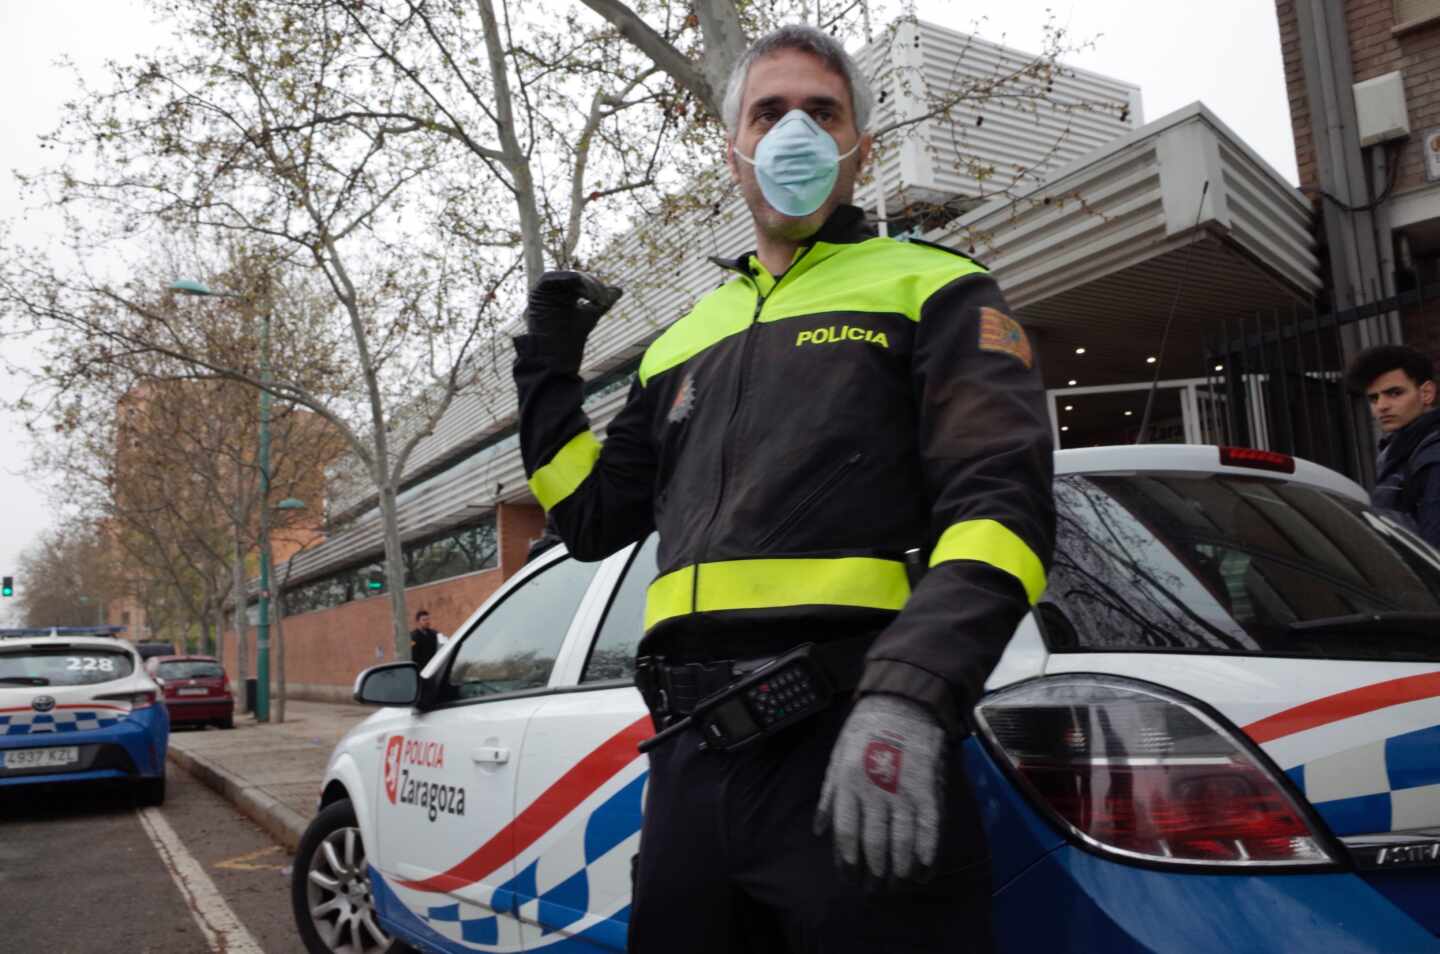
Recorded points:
(1257, 459)
(137, 700)
(1133, 770)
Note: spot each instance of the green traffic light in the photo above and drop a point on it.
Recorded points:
(7, 586)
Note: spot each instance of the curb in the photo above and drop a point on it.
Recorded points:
(278, 819)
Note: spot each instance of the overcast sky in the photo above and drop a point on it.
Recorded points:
(1225, 53)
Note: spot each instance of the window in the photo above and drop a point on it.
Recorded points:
(35, 666)
(613, 656)
(1214, 563)
(456, 553)
(189, 669)
(514, 647)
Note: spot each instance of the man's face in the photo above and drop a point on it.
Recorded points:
(1395, 400)
(424, 620)
(776, 84)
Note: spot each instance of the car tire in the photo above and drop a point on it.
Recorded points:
(227, 723)
(150, 792)
(330, 888)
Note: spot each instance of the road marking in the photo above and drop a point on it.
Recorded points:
(222, 929)
(246, 862)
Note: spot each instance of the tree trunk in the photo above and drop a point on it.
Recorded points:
(237, 599)
(217, 625)
(395, 571)
(277, 607)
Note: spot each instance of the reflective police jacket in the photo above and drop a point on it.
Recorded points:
(791, 438)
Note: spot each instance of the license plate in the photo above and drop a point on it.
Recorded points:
(192, 692)
(40, 758)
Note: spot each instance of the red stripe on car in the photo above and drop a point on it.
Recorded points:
(557, 801)
(1344, 705)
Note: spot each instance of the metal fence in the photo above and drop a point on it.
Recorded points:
(1275, 379)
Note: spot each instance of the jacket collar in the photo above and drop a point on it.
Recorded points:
(1397, 447)
(844, 226)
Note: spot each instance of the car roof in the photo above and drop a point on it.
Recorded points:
(187, 657)
(87, 642)
(1195, 458)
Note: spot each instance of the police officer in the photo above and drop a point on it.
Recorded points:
(842, 399)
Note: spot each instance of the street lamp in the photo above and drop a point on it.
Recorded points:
(189, 286)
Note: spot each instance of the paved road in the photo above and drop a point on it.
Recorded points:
(83, 871)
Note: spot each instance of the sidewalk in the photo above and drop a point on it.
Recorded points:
(272, 773)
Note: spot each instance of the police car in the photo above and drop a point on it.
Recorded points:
(75, 707)
(1218, 730)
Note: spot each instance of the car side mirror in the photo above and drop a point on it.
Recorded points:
(393, 684)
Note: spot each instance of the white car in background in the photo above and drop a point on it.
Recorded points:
(78, 708)
(1218, 730)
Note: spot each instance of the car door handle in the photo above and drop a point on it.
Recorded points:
(491, 755)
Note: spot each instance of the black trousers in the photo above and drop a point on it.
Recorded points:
(728, 861)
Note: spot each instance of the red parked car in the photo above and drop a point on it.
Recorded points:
(197, 691)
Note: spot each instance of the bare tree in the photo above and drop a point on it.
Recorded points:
(65, 577)
(218, 138)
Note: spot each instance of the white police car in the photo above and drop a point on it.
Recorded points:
(76, 707)
(1218, 730)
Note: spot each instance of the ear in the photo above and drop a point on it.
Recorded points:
(1427, 393)
(730, 161)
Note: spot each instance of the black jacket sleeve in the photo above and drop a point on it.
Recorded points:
(986, 448)
(597, 496)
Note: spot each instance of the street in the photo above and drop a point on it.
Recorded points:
(83, 870)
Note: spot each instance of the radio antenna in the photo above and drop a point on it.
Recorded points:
(1165, 335)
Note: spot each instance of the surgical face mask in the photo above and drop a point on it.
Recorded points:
(796, 164)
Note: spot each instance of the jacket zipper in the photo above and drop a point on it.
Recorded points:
(810, 499)
(746, 351)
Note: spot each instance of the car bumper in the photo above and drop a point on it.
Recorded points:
(200, 710)
(132, 748)
(1094, 904)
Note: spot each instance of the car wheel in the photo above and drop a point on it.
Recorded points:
(150, 791)
(330, 888)
(227, 723)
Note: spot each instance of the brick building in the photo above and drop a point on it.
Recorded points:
(1363, 80)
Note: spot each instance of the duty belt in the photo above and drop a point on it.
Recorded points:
(672, 689)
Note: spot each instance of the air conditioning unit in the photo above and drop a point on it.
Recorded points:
(1380, 109)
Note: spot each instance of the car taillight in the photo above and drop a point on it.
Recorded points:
(1135, 771)
(137, 700)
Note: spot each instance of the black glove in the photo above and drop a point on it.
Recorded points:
(561, 312)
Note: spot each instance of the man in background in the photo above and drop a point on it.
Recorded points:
(423, 640)
(1399, 384)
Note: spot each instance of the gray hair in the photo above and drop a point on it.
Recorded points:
(806, 39)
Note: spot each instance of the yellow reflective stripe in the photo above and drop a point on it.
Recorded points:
(669, 595)
(989, 541)
(864, 582)
(559, 478)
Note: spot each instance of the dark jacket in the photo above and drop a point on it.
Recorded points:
(423, 643)
(792, 438)
(1407, 480)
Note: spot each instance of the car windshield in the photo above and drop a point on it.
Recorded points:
(62, 666)
(189, 669)
(1227, 564)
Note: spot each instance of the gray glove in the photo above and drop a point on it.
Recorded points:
(561, 311)
(883, 788)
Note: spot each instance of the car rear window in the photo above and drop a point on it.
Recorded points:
(1223, 564)
(188, 669)
(62, 667)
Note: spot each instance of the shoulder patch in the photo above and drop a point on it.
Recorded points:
(1003, 334)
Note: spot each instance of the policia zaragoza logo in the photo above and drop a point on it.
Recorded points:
(402, 788)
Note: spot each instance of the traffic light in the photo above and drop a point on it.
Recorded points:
(7, 586)
(374, 583)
